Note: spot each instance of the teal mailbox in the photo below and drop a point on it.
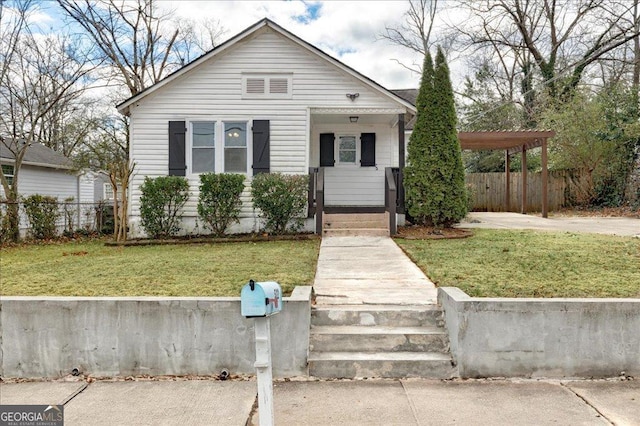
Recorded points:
(260, 299)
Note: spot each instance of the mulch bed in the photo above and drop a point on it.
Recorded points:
(416, 232)
(242, 238)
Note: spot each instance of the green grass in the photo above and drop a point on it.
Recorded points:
(498, 263)
(91, 269)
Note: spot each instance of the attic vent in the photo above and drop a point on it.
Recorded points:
(255, 86)
(279, 85)
(267, 86)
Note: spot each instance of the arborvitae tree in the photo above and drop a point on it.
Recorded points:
(434, 177)
(417, 170)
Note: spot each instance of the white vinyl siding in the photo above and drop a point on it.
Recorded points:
(214, 91)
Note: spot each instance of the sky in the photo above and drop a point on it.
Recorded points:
(347, 30)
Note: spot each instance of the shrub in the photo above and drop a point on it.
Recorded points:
(42, 213)
(161, 205)
(219, 201)
(281, 200)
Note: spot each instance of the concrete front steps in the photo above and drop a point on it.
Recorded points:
(355, 224)
(392, 341)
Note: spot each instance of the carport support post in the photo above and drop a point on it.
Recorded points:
(507, 173)
(263, 366)
(545, 183)
(523, 203)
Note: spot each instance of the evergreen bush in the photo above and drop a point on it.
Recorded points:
(219, 201)
(281, 199)
(42, 213)
(161, 205)
(434, 176)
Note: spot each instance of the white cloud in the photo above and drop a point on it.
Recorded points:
(346, 30)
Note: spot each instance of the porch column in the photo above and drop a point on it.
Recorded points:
(507, 175)
(523, 202)
(545, 187)
(400, 188)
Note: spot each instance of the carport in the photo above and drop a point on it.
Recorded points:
(513, 142)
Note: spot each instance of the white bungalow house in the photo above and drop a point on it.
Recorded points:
(267, 101)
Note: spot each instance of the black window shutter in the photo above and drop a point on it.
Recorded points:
(327, 158)
(368, 149)
(261, 154)
(177, 164)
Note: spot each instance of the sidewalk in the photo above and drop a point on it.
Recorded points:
(361, 402)
(369, 270)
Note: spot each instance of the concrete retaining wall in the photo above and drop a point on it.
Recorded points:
(102, 336)
(542, 337)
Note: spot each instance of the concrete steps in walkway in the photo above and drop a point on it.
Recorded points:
(355, 224)
(392, 341)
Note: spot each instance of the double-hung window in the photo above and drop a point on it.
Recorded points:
(7, 169)
(235, 147)
(203, 151)
(347, 149)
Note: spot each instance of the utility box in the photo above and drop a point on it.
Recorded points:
(260, 299)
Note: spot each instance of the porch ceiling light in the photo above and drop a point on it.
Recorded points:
(353, 119)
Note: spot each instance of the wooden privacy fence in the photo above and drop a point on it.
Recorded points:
(488, 190)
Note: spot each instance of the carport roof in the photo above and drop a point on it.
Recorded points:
(510, 140)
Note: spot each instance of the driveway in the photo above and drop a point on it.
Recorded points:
(623, 226)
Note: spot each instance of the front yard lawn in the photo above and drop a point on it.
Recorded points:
(91, 269)
(498, 263)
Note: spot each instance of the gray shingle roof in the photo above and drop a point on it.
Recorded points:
(409, 95)
(38, 154)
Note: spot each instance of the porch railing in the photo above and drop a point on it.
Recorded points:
(316, 196)
(391, 196)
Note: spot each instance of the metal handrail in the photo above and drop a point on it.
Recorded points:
(391, 196)
(316, 196)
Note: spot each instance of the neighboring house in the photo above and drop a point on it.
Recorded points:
(47, 172)
(267, 101)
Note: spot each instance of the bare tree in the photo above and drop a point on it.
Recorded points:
(141, 46)
(195, 38)
(415, 33)
(39, 74)
(129, 36)
(563, 38)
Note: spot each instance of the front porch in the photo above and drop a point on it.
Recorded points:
(355, 220)
(356, 157)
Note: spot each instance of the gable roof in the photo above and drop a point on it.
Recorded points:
(124, 106)
(38, 155)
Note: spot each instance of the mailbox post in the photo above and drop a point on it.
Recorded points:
(260, 300)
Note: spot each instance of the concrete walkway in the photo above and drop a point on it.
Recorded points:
(363, 402)
(369, 270)
(623, 226)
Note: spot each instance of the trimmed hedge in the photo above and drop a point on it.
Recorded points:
(161, 205)
(219, 201)
(282, 200)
